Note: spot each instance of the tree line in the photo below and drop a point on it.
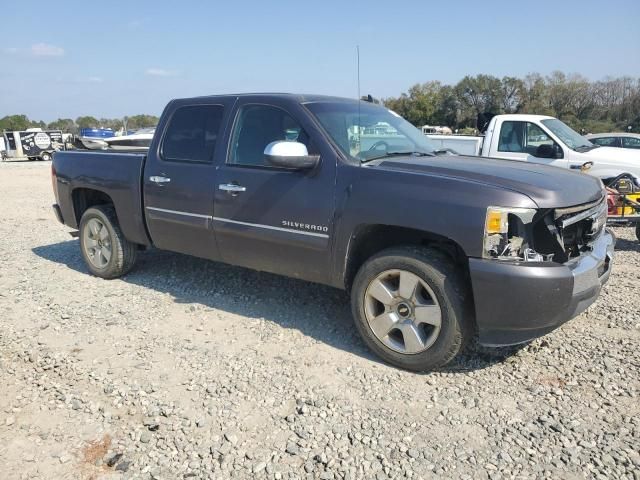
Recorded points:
(589, 106)
(68, 125)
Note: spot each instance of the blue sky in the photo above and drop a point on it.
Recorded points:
(109, 59)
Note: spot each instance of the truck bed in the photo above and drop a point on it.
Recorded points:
(116, 175)
(462, 144)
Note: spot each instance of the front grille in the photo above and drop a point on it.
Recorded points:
(566, 233)
(579, 226)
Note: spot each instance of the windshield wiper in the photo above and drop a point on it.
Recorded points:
(397, 154)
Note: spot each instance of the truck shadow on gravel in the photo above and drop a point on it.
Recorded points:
(625, 245)
(320, 312)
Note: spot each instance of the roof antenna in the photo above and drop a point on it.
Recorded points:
(358, 63)
(359, 98)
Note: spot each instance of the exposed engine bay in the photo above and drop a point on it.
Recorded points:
(548, 234)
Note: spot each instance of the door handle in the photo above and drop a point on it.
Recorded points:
(159, 179)
(231, 188)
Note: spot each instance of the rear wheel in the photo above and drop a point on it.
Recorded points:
(409, 306)
(45, 156)
(105, 250)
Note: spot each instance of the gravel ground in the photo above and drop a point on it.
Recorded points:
(187, 368)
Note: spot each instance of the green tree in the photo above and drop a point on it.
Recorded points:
(534, 95)
(448, 107)
(478, 94)
(426, 103)
(87, 122)
(141, 121)
(65, 124)
(15, 122)
(511, 94)
(605, 105)
(112, 123)
(568, 95)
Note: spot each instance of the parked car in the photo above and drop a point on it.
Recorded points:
(433, 249)
(620, 140)
(546, 140)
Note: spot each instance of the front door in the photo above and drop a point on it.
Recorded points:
(179, 179)
(268, 218)
(523, 141)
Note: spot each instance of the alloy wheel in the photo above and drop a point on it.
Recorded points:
(97, 243)
(402, 311)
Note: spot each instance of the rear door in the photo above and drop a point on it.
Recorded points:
(276, 220)
(631, 142)
(179, 177)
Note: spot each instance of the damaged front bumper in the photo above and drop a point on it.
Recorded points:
(518, 301)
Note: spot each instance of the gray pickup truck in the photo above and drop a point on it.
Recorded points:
(434, 249)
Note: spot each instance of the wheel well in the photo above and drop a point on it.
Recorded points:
(371, 239)
(84, 198)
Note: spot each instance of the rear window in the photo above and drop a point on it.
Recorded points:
(605, 141)
(631, 142)
(192, 133)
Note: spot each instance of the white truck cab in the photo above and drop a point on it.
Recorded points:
(546, 140)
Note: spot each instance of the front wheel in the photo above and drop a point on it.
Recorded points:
(409, 306)
(105, 250)
(45, 156)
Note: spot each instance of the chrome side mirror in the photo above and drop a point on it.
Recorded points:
(288, 154)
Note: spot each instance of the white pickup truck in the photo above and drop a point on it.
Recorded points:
(542, 139)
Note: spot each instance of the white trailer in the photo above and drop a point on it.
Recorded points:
(32, 144)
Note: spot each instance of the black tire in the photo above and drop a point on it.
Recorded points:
(123, 252)
(45, 156)
(450, 290)
(638, 231)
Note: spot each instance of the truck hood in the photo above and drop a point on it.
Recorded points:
(609, 162)
(613, 154)
(548, 187)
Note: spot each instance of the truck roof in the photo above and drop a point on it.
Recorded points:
(614, 134)
(524, 117)
(300, 97)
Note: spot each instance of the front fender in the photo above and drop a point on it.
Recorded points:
(448, 207)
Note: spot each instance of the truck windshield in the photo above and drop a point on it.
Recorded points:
(570, 137)
(366, 131)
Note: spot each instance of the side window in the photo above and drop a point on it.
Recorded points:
(535, 137)
(631, 142)
(257, 127)
(511, 137)
(605, 141)
(192, 133)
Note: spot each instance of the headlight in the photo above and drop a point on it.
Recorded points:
(506, 235)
